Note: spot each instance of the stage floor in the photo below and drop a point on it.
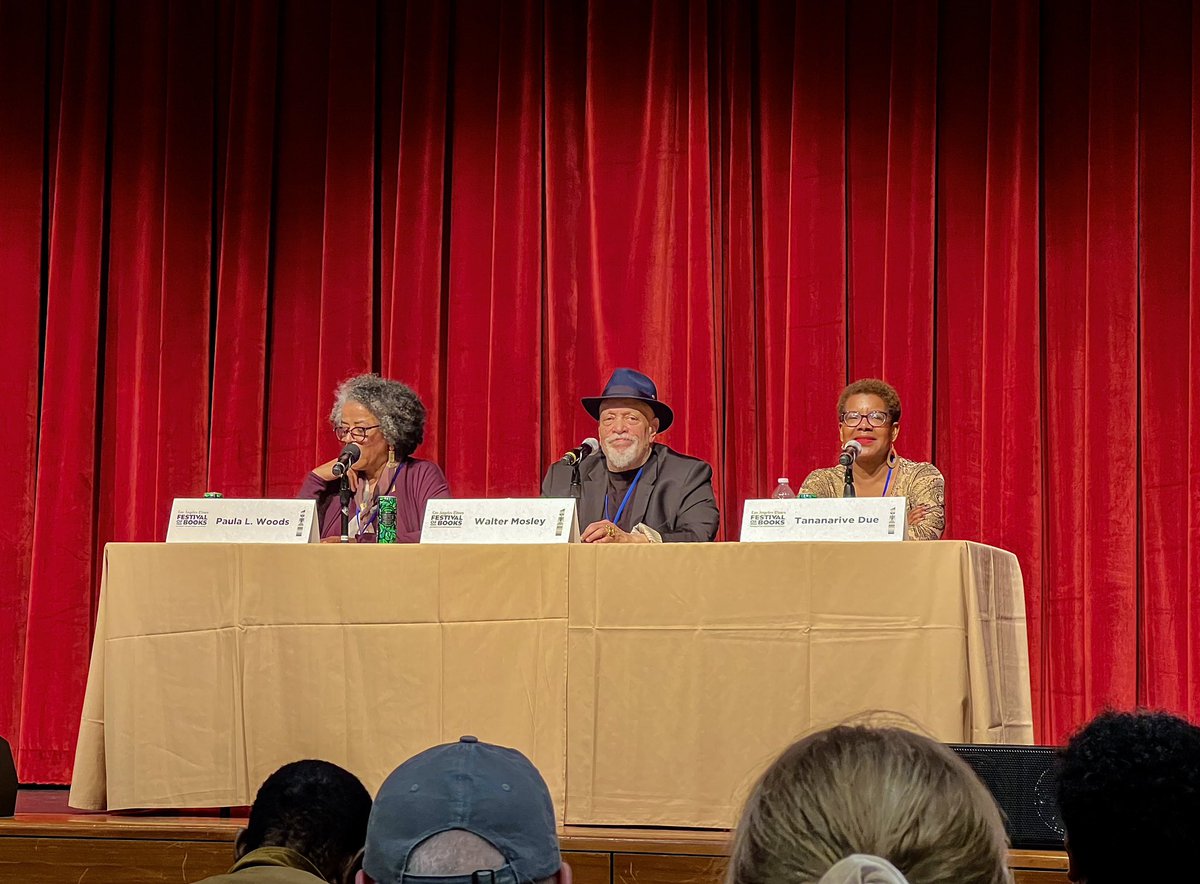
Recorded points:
(48, 844)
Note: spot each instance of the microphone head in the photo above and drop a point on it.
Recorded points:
(349, 455)
(587, 448)
(850, 452)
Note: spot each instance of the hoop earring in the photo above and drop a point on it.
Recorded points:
(892, 459)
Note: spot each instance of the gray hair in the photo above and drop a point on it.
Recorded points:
(457, 852)
(453, 852)
(398, 409)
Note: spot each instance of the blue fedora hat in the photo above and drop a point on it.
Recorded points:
(627, 383)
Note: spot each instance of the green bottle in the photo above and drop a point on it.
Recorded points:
(387, 519)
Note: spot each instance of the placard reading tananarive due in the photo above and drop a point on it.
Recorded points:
(804, 518)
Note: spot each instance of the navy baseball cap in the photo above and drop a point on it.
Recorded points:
(490, 791)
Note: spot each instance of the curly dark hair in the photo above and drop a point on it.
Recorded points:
(872, 387)
(315, 808)
(1129, 795)
(399, 410)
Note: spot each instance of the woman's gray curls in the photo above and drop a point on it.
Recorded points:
(396, 406)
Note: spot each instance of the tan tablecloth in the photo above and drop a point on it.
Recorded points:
(650, 684)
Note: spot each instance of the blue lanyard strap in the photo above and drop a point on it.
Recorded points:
(362, 526)
(625, 499)
(887, 482)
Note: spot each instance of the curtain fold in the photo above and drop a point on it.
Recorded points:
(214, 211)
(23, 128)
(62, 564)
(1166, 330)
(988, 398)
(237, 450)
(495, 250)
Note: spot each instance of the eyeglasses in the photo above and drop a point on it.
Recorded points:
(874, 418)
(354, 434)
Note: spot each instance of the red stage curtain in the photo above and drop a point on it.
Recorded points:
(214, 210)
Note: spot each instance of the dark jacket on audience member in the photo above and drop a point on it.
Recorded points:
(269, 865)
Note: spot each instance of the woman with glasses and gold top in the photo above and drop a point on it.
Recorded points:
(386, 420)
(869, 413)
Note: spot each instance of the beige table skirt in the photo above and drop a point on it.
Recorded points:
(650, 684)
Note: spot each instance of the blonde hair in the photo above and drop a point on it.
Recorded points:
(876, 790)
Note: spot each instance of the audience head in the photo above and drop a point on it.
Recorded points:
(314, 808)
(464, 813)
(1129, 795)
(861, 803)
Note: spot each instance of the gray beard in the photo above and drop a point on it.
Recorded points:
(620, 461)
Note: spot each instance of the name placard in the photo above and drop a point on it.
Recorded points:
(515, 520)
(825, 518)
(220, 520)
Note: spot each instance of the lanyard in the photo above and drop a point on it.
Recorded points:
(887, 482)
(362, 526)
(625, 499)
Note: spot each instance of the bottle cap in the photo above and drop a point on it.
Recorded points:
(782, 480)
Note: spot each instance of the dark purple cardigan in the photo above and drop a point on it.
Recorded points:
(419, 481)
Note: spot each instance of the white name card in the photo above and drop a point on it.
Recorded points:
(825, 518)
(516, 520)
(218, 520)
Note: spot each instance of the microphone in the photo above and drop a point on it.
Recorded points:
(349, 455)
(850, 452)
(587, 447)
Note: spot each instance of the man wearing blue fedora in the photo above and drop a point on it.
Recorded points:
(636, 490)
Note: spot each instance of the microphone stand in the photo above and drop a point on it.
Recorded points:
(848, 482)
(576, 488)
(344, 493)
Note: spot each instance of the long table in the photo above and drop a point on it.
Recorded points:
(650, 684)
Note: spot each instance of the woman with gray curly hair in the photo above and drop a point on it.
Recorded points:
(386, 420)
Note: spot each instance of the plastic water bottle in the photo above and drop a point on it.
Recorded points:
(783, 491)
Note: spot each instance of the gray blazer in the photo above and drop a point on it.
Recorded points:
(674, 495)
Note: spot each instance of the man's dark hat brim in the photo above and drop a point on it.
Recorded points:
(627, 383)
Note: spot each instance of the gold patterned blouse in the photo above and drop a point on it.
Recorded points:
(920, 482)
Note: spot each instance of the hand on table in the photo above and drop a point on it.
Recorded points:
(605, 531)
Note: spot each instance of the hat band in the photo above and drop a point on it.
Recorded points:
(626, 393)
(503, 875)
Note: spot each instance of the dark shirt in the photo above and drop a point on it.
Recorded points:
(618, 486)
